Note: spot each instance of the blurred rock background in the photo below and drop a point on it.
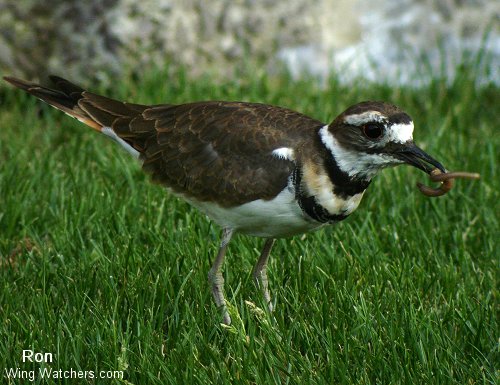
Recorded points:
(389, 40)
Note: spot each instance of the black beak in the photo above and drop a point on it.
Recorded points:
(418, 158)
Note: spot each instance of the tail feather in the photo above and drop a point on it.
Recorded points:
(107, 105)
(124, 122)
(104, 118)
(65, 98)
(67, 87)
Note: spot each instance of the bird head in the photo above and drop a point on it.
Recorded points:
(370, 136)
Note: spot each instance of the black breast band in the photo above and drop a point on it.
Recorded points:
(309, 205)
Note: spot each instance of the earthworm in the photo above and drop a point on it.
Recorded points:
(446, 179)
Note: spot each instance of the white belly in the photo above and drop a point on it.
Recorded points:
(279, 217)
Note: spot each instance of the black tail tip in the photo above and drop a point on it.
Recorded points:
(18, 82)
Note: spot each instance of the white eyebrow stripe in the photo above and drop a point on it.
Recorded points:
(365, 117)
(284, 153)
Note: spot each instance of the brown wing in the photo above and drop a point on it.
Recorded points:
(223, 150)
(206, 150)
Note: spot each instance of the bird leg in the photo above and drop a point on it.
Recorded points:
(215, 277)
(260, 272)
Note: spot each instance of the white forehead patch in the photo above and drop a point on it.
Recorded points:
(400, 133)
(284, 153)
(365, 117)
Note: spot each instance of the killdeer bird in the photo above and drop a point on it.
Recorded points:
(252, 168)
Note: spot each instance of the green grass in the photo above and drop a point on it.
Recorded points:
(108, 272)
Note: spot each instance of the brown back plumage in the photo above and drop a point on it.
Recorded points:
(205, 150)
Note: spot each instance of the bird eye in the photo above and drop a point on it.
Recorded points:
(373, 130)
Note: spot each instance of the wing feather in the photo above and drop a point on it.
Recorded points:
(205, 150)
(223, 150)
